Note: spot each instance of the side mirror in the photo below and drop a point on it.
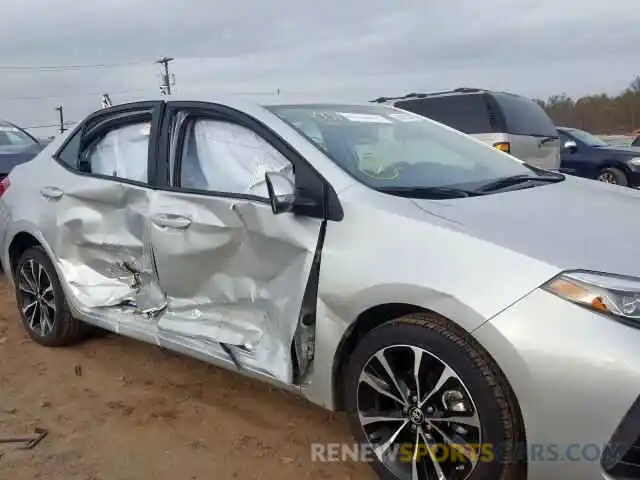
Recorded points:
(282, 192)
(570, 146)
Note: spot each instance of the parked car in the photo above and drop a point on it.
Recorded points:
(16, 147)
(636, 140)
(511, 123)
(586, 155)
(368, 259)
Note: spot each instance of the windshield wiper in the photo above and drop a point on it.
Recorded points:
(517, 180)
(429, 192)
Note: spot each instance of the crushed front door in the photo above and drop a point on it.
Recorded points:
(234, 273)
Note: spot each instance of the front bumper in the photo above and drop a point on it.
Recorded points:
(576, 375)
(634, 177)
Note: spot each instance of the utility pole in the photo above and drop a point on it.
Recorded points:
(61, 115)
(168, 80)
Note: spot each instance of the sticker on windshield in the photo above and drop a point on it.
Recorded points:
(365, 118)
(406, 117)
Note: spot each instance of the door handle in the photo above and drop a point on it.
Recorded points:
(51, 192)
(168, 220)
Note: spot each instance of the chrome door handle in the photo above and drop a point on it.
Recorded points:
(168, 220)
(51, 192)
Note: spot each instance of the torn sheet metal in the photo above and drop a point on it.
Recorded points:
(227, 285)
(102, 239)
(237, 275)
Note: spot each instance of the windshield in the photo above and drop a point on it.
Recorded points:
(586, 137)
(11, 136)
(386, 148)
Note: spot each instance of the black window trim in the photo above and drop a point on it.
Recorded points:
(106, 120)
(332, 208)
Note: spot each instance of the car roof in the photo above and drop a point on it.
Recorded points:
(462, 91)
(237, 100)
(444, 93)
(248, 106)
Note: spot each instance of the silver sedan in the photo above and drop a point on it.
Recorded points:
(476, 317)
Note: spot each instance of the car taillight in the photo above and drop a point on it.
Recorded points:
(503, 146)
(4, 185)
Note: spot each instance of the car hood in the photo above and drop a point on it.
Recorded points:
(12, 156)
(630, 151)
(573, 224)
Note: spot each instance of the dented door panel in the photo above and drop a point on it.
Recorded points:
(96, 203)
(235, 276)
(98, 231)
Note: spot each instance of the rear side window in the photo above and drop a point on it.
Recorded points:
(121, 153)
(466, 113)
(524, 117)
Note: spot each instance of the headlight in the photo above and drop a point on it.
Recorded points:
(610, 294)
(634, 161)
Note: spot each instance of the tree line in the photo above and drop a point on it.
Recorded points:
(601, 114)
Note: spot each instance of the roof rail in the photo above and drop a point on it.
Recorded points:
(431, 94)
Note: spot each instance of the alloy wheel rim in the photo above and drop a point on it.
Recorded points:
(37, 298)
(410, 402)
(607, 177)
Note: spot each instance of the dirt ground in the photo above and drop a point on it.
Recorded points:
(117, 409)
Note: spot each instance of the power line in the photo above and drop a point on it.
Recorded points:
(51, 125)
(42, 97)
(64, 68)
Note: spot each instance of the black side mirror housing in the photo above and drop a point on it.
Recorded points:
(281, 192)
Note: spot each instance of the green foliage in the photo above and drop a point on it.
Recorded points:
(602, 114)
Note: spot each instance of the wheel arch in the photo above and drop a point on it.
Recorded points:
(20, 243)
(378, 315)
(366, 321)
(22, 236)
(614, 163)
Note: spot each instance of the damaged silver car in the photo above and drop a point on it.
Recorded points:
(462, 307)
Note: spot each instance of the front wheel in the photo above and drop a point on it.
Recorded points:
(42, 304)
(432, 404)
(613, 175)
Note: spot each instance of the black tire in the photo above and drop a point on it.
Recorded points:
(492, 397)
(613, 175)
(65, 329)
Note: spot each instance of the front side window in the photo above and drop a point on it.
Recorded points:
(122, 153)
(384, 148)
(224, 157)
(586, 138)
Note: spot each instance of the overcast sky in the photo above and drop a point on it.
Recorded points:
(330, 49)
